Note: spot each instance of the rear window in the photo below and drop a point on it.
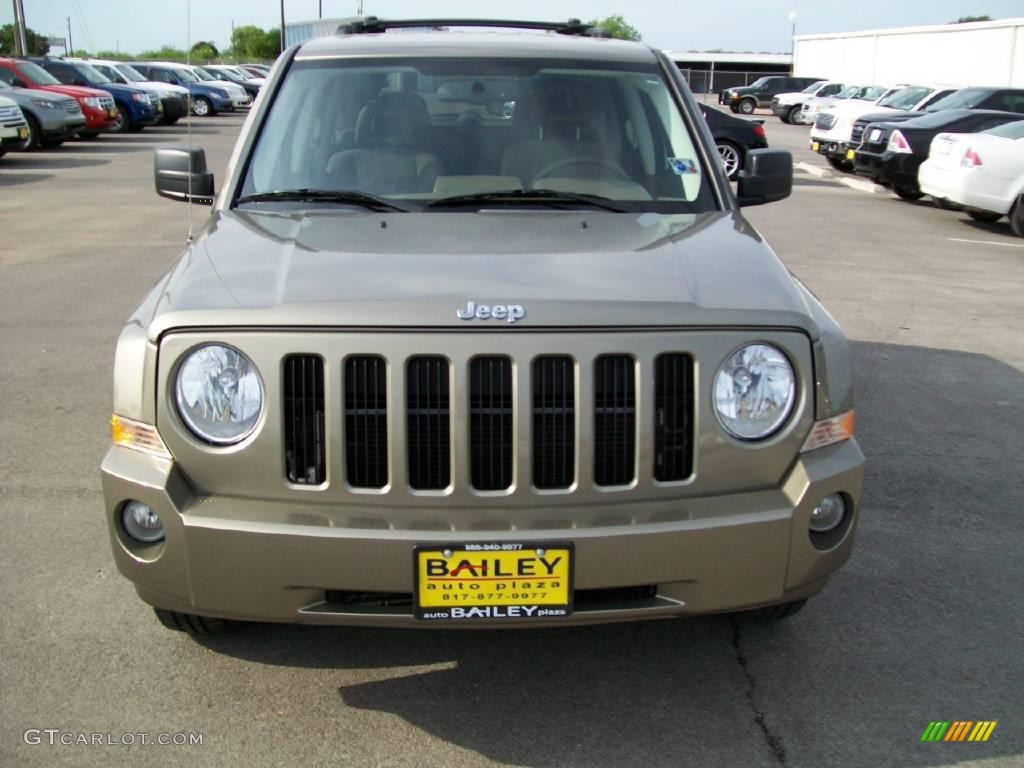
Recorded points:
(418, 132)
(965, 98)
(1014, 130)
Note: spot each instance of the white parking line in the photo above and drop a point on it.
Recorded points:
(846, 179)
(986, 242)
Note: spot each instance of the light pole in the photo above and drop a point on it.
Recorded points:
(792, 33)
(282, 26)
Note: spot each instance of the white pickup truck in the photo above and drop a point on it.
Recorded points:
(788, 106)
(13, 127)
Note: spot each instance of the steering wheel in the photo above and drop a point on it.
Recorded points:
(596, 162)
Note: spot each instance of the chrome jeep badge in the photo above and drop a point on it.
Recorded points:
(507, 312)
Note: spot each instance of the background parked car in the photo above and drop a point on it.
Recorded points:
(734, 137)
(983, 172)
(136, 107)
(891, 153)
(788, 106)
(207, 98)
(173, 98)
(250, 83)
(50, 117)
(13, 128)
(759, 93)
(97, 105)
(256, 70)
(239, 97)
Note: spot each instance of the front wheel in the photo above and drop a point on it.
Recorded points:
(123, 121)
(794, 115)
(840, 165)
(773, 612)
(985, 217)
(192, 624)
(88, 135)
(747, 106)
(731, 158)
(1017, 217)
(908, 193)
(201, 107)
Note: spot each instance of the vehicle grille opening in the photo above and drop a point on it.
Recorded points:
(304, 425)
(614, 420)
(428, 429)
(490, 423)
(362, 599)
(366, 422)
(554, 423)
(673, 417)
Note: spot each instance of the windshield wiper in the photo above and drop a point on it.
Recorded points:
(532, 196)
(344, 196)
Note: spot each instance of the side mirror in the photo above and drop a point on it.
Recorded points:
(181, 175)
(767, 177)
(17, 82)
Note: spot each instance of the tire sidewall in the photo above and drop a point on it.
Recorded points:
(747, 106)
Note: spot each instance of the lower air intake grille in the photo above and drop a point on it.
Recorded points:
(673, 415)
(554, 423)
(304, 428)
(366, 422)
(428, 430)
(614, 420)
(490, 423)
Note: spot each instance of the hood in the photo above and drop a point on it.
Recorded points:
(75, 91)
(6, 102)
(165, 87)
(21, 95)
(566, 269)
(120, 89)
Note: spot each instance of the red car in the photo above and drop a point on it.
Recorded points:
(97, 106)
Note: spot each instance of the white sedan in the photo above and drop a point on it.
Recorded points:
(983, 172)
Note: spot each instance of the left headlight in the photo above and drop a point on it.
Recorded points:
(43, 103)
(219, 394)
(755, 389)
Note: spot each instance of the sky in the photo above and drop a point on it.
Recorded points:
(734, 25)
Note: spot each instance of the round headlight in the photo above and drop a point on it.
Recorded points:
(754, 392)
(219, 394)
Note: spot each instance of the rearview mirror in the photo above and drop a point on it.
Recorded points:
(766, 177)
(181, 175)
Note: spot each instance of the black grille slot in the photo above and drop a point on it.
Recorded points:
(673, 417)
(428, 430)
(366, 422)
(614, 420)
(490, 423)
(554, 423)
(304, 425)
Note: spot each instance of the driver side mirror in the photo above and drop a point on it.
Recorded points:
(181, 175)
(767, 177)
(17, 82)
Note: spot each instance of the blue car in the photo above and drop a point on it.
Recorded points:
(136, 108)
(207, 97)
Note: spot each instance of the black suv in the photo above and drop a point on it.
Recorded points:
(759, 93)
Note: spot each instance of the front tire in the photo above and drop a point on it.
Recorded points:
(88, 135)
(201, 107)
(985, 217)
(793, 116)
(1017, 217)
(840, 165)
(123, 123)
(773, 612)
(732, 158)
(907, 193)
(35, 134)
(192, 624)
(747, 106)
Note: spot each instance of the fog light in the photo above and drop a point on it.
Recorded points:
(142, 523)
(828, 514)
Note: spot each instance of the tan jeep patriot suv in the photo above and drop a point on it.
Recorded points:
(476, 335)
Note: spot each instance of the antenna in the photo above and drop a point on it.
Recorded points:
(188, 117)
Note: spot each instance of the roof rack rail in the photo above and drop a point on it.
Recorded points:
(365, 25)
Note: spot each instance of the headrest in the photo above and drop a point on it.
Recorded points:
(396, 118)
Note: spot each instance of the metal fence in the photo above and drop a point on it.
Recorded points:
(712, 81)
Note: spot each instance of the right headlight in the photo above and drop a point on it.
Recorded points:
(219, 394)
(755, 389)
(92, 101)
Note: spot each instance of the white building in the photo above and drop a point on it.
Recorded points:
(979, 53)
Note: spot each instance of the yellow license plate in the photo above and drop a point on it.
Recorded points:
(23, 133)
(850, 153)
(495, 581)
(112, 112)
(814, 146)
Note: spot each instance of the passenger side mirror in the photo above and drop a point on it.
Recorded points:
(177, 170)
(767, 177)
(17, 82)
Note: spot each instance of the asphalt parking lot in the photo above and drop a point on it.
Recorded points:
(924, 623)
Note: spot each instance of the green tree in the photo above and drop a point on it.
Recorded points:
(37, 45)
(253, 43)
(164, 53)
(204, 51)
(969, 19)
(618, 27)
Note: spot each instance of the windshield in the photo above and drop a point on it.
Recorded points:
(130, 74)
(760, 81)
(187, 75)
(905, 98)
(110, 72)
(869, 93)
(35, 74)
(202, 74)
(813, 87)
(1014, 130)
(965, 98)
(237, 73)
(451, 128)
(847, 92)
(90, 73)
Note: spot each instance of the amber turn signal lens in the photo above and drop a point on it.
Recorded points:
(137, 436)
(830, 431)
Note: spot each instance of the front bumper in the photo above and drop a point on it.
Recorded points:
(98, 119)
(174, 107)
(262, 560)
(839, 150)
(888, 168)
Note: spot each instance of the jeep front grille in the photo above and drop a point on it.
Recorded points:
(554, 422)
(428, 423)
(490, 423)
(366, 421)
(304, 420)
(488, 399)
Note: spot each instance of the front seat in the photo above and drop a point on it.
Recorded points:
(390, 156)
